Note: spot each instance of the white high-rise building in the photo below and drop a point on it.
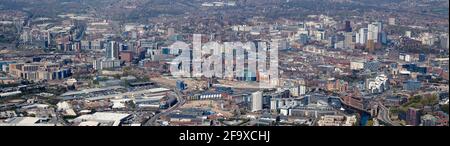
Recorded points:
(362, 36)
(379, 26)
(197, 53)
(372, 33)
(257, 101)
(112, 50)
(357, 38)
(49, 38)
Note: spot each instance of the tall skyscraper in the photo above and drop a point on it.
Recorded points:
(348, 27)
(372, 32)
(49, 39)
(447, 44)
(380, 36)
(348, 40)
(444, 41)
(413, 117)
(379, 26)
(257, 101)
(357, 38)
(112, 50)
(375, 36)
(383, 37)
(362, 36)
(196, 54)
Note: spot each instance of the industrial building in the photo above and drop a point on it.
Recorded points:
(104, 118)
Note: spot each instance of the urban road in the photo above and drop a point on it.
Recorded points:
(180, 101)
(383, 114)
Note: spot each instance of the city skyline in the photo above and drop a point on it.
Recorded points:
(224, 63)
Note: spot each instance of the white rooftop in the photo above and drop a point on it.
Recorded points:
(104, 117)
(89, 123)
(25, 121)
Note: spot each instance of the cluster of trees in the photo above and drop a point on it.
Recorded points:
(417, 101)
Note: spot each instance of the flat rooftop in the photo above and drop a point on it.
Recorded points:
(86, 91)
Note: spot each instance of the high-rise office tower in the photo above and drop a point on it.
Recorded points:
(413, 117)
(375, 36)
(363, 32)
(357, 38)
(383, 38)
(348, 40)
(257, 101)
(379, 31)
(348, 27)
(196, 55)
(444, 41)
(49, 38)
(372, 32)
(112, 50)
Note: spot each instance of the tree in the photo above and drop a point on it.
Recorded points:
(144, 79)
(95, 82)
(369, 123)
(237, 112)
(126, 70)
(445, 108)
(430, 100)
(116, 76)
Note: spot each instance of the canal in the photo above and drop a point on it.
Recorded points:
(363, 116)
